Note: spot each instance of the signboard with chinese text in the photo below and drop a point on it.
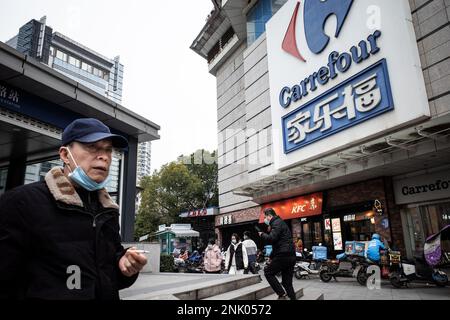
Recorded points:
(299, 207)
(360, 98)
(341, 72)
(200, 212)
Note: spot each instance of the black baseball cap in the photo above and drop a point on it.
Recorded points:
(89, 130)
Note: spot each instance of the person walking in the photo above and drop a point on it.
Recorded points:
(212, 259)
(251, 248)
(236, 260)
(282, 256)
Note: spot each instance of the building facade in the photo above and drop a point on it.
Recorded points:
(93, 70)
(144, 161)
(348, 119)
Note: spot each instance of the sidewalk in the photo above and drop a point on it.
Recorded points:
(163, 284)
(349, 289)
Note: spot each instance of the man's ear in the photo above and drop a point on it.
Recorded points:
(64, 155)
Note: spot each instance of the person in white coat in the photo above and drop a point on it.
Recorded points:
(236, 258)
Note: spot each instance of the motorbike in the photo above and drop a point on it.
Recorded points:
(388, 259)
(347, 266)
(425, 267)
(306, 265)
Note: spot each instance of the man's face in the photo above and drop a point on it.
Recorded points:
(94, 158)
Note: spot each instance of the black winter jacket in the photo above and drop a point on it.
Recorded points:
(47, 232)
(280, 237)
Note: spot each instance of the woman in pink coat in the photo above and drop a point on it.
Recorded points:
(212, 259)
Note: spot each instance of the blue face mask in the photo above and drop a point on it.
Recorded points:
(82, 179)
(266, 221)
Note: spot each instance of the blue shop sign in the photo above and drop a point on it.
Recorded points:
(358, 99)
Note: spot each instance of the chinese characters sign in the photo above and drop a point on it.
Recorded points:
(224, 220)
(360, 98)
(298, 207)
(200, 212)
(9, 96)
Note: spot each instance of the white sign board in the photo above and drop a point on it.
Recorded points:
(422, 188)
(341, 72)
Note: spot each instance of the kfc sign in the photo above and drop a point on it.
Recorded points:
(298, 207)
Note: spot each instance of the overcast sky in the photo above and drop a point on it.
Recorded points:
(164, 80)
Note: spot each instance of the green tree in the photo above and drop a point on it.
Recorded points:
(203, 164)
(167, 193)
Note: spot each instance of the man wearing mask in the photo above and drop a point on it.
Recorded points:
(236, 259)
(282, 256)
(59, 238)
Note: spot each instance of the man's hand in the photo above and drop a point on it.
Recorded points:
(132, 262)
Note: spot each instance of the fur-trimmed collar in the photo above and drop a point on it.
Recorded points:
(62, 190)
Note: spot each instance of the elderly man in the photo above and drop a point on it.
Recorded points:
(59, 238)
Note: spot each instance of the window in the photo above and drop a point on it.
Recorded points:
(61, 55)
(259, 15)
(52, 51)
(74, 61)
(36, 172)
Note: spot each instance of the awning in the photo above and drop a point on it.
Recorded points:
(186, 233)
(180, 233)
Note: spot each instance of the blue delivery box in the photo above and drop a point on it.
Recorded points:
(319, 252)
(355, 248)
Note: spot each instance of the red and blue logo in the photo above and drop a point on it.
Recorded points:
(316, 14)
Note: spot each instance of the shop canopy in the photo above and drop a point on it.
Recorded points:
(179, 230)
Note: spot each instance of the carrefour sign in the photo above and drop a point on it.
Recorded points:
(341, 72)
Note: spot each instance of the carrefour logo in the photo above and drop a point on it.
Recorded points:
(359, 98)
(316, 14)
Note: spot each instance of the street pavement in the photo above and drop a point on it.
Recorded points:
(162, 284)
(349, 289)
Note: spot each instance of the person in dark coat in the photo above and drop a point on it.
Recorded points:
(282, 258)
(59, 238)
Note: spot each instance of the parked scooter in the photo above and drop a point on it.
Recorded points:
(425, 267)
(417, 271)
(305, 265)
(345, 266)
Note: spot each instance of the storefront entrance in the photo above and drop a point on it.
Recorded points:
(422, 221)
(350, 223)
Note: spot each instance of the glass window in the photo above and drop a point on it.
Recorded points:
(113, 186)
(74, 61)
(84, 66)
(37, 171)
(61, 55)
(52, 51)
(259, 15)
